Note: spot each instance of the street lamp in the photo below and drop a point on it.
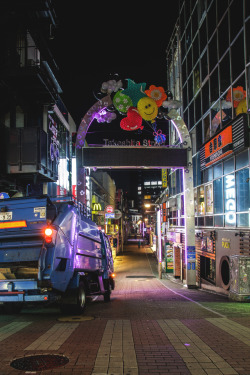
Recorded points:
(158, 223)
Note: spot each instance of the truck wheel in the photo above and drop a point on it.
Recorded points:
(107, 293)
(81, 298)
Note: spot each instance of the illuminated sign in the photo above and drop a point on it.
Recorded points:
(164, 178)
(110, 215)
(219, 146)
(129, 142)
(109, 209)
(97, 207)
(230, 204)
(231, 139)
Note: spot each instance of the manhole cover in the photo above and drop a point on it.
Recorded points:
(140, 277)
(39, 362)
(75, 318)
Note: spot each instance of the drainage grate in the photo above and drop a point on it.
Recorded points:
(140, 277)
(39, 362)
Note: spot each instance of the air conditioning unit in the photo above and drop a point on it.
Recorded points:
(239, 278)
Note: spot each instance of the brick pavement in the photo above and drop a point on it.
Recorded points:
(151, 327)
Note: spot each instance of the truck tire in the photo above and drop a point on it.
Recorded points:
(81, 298)
(77, 303)
(107, 293)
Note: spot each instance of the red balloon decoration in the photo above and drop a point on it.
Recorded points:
(133, 121)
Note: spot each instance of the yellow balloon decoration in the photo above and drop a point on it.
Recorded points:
(147, 108)
(242, 107)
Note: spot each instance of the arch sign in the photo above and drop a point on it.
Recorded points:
(140, 108)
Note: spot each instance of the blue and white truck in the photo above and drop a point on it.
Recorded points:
(50, 252)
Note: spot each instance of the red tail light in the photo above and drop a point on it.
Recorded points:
(48, 235)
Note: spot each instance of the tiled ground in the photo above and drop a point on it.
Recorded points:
(150, 327)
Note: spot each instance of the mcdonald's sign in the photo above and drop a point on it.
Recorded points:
(96, 208)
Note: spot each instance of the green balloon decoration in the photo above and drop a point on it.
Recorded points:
(122, 102)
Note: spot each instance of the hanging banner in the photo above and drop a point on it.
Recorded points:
(164, 178)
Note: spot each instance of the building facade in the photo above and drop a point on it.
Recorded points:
(208, 68)
(35, 125)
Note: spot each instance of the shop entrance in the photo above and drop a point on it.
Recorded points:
(140, 156)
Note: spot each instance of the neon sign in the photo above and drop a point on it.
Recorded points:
(130, 142)
(230, 216)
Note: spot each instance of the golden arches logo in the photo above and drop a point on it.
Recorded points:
(97, 207)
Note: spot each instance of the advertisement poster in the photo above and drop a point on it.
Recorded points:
(169, 256)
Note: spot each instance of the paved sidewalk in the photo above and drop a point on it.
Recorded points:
(150, 327)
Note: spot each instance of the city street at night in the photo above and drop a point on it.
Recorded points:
(150, 326)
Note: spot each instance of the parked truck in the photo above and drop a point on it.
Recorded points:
(51, 252)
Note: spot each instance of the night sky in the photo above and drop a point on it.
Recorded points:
(94, 41)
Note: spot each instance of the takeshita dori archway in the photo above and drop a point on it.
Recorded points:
(138, 106)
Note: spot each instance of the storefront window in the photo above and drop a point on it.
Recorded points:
(218, 170)
(242, 159)
(243, 220)
(242, 190)
(218, 196)
(201, 201)
(218, 221)
(229, 200)
(229, 166)
(209, 199)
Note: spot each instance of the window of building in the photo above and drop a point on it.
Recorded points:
(236, 17)
(218, 196)
(212, 49)
(242, 190)
(209, 199)
(237, 49)
(218, 170)
(242, 159)
(194, 21)
(211, 19)
(214, 85)
(205, 97)
(190, 88)
(197, 102)
(206, 122)
(203, 36)
(189, 62)
(228, 166)
(188, 36)
(222, 5)
(224, 67)
(201, 201)
(146, 183)
(196, 53)
(204, 66)
(223, 36)
(191, 115)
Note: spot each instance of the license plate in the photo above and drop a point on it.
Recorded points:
(5, 216)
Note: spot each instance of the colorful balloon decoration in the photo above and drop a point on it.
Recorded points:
(122, 102)
(135, 91)
(137, 104)
(147, 108)
(133, 121)
(238, 94)
(156, 93)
